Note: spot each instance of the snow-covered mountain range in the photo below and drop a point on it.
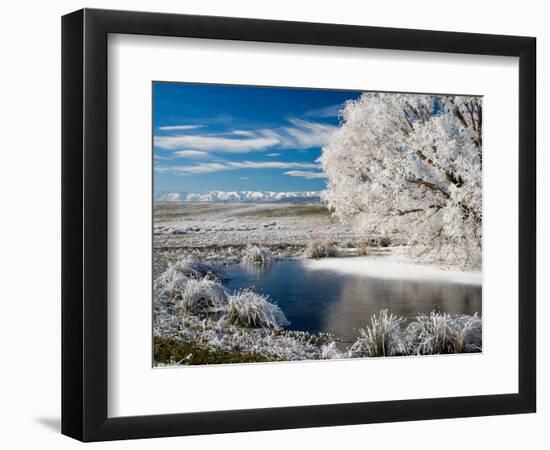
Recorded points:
(238, 196)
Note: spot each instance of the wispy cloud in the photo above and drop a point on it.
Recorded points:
(235, 165)
(196, 168)
(163, 158)
(327, 111)
(305, 174)
(300, 134)
(271, 165)
(273, 154)
(179, 127)
(214, 143)
(242, 133)
(191, 154)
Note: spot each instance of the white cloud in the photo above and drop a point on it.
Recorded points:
(302, 134)
(271, 165)
(214, 143)
(179, 127)
(327, 111)
(305, 134)
(243, 178)
(235, 165)
(273, 154)
(162, 158)
(242, 133)
(198, 168)
(192, 154)
(305, 174)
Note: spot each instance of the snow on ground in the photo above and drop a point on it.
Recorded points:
(196, 225)
(392, 268)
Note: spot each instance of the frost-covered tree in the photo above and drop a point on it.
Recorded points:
(409, 166)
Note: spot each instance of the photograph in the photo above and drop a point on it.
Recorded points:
(300, 224)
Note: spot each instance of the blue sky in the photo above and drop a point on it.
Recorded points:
(234, 138)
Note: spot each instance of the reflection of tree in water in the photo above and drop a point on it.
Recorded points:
(257, 269)
(360, 297)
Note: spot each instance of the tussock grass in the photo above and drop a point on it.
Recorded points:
(172, 281)
(202, 297)
(428, 334)
(383, 337)
(257, 255)
(250, 309)
(438, 333)
(319, 249)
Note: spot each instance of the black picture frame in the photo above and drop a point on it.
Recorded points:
(84, 224)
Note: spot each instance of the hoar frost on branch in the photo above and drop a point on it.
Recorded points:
(409, 166)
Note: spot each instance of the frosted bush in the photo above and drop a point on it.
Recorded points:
(202, 297)
(382, 338)
(439, 333)
(250, 309)
(329, 351)
(320, 249)
(429, 334)
(466, 332)
(174, 278)
(172, 283)
(257, 255)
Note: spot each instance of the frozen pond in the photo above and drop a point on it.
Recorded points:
(339, 295)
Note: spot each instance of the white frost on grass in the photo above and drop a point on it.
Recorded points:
(188, 267)
(202, 297)
(257, 255)
(428, 334)
(319, 249)
(250, 309)
(438, 333)
(383, 337)
(392, 269)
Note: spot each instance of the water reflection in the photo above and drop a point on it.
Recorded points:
(361, 297)
(254, 269)
(324, 300)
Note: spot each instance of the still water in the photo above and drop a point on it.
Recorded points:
(330, 301)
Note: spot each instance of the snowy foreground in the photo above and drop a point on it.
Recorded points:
(197, 320)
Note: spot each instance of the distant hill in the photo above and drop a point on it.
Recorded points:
(238, 197)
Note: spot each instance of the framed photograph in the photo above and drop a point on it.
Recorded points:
(273, 224)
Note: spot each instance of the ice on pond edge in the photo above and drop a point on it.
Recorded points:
(393, 269)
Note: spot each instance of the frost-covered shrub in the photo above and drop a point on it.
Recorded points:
(172, 284)
(439, 333)
(172, 279)
(329, 351)
(467, 333)
(383, 337)
(257, 255)
(202, 297)
(250, 309)
(320, 249)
